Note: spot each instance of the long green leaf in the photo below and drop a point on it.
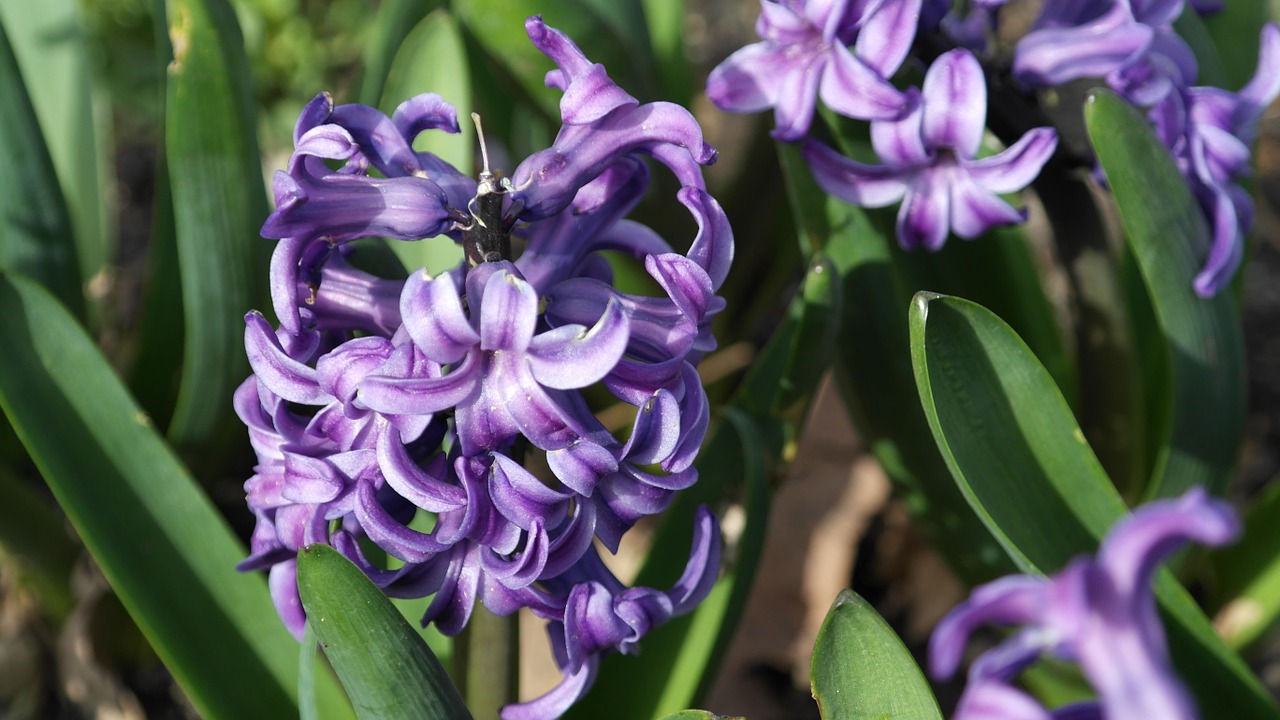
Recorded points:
(162, 545)
(36, 236)
(1168, 238)
(396, 18)
(860, 668)
(1016, 452)
(1248, 573)
(50, 47)
(219, 205)
(387, 669)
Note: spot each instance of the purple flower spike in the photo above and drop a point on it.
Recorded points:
(929, 161)
(1099, 612)
(804, 55)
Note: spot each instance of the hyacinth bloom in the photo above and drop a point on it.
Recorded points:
(804, 54)
(378, 404)
(1098, 611)
(930, 162)
(1131, 43)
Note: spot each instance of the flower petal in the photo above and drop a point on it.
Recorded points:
(291, 380)
(420, 396)
(749, 80)
(852, 88)
(571, 356)
(1015, 167)
(864, 185)
(955, 103)
(425, 489)
(433, 317)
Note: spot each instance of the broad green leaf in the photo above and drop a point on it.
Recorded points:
(219, 205)
(162, 545)
(1248, 575)
(1191, 28)
(434, 43)
(49, 44)
(666, 20)
(35, 229)
(396, 18)
(872, 367)
(678, 660)
(386, 668)
(1021, 461)
(860, 668)
(1167, 235)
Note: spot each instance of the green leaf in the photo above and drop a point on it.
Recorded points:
(1249, 574)
(219, 205)
(162, 545)
(396, 18)
(678, 660)
(1234, 30)
(860, 668)
(1021, 461)
(1203, 422)
(49, 44)
(666, 20)
(434, 43)
(816, 315)
(388, 671)
(36, 237)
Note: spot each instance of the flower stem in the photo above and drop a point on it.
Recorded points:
(486, 662)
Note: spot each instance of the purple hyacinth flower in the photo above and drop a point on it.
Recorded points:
(930, 161)
(804, 55)
(1099, 612)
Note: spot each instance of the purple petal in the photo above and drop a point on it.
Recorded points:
(1226, 250)
(316, 112)
(590, 96)
(427, 111)
(1054, 55)
(925, 212)
(451, 607)
(284, 376)
(340, 372)
(1135, 547)
(522, 498)
(1015, 167)
(581, 465)
(704, 564)
(525, 565)
(887, 34)
(421, 396)
(1015, 599)
(572, 356)
(656, 431)
(749, 80)
(864, 185)
(798, 85)
(379, 138)
(558, 700)
(424, 489)
(975, 210)
(900, 143)
(993, 700)
(508, 313)
(1263, 88)
(955, 103)
(282, 580)
(712, 247)
(852, 88)
(399, 541)
(433, 316)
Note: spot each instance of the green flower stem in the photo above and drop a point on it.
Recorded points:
(486, 662)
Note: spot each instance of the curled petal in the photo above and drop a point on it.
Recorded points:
(712, 247)
(451, 607)
(887, 34)
(1094, 48)
(420, 396)
(748, 80)
(975, 210)
(399, 541)
(852, 181)
(310, 480)
(852, 88)
(1262, 89)
(590, 96)
(427, 111)
(581, 465)
(316, 112)
(798, 84)
(704, 564)
(1016, 166)
(559, 699)
(1226, 250)
(955, 103)
(291, 380)
(1134, 548)
(509, 312)
(900, 143)
(522, 498)
(994, 700)
(1015, 599)
(339, 372)
(656, 431)
(433, 316)
(571, 356)
(525, 565)
(282, 580)
(573, 539)
(379, 138)
(424, 489)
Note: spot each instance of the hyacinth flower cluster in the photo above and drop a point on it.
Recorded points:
(1098, 612)
(377, 403)
(927, 140)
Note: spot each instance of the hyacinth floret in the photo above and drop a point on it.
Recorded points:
(1099, 612)
(400, 412)
(805, 54)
